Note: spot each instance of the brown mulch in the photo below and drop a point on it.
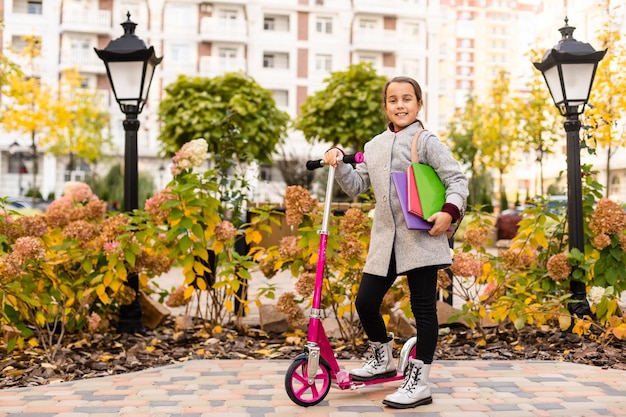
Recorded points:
(109, 354)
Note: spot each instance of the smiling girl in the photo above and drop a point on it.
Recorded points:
(394, 249)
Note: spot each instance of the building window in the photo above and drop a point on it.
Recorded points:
(34, 7)
(323, 62)
(281, 97)
(276, 60)
(276, 23)
(179, 15)
(367, 24)
(227, 53)
(180, 53)
(324, 25)
(616, 187)
(227, 14)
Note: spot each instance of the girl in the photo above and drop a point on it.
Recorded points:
(394, 249)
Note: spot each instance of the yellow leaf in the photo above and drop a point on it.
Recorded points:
(565, 321)
(40, 319)
(105, 358)
(217, 246)
(217, 329)
(33, 342)
(188, 292)
(481, 342)
(149, 348)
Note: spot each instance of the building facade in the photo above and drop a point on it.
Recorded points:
(288, 46)
(452, 47)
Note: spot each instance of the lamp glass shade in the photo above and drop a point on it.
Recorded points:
(570, 85)
(126, 79)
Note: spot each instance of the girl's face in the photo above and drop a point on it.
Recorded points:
(401, 104)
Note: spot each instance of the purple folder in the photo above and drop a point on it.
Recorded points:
(413, 222)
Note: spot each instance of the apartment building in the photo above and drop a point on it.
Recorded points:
(453, 47)
(288, 46)
(481, 37)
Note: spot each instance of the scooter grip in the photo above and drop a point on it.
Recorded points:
(311, 165)
(355, 158)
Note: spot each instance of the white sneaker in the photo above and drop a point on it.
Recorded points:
(380, 364)
(414, 390)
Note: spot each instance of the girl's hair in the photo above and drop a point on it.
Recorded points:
(402, 79)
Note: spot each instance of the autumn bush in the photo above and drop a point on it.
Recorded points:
(526, 284)
(66, 270)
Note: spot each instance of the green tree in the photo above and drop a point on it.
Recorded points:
(237, 118)
(82, 128)
(498, 139)
(462, 135)
(348, 111)
(61, 119)
(538, 123)
(607, 103)
(235, 115)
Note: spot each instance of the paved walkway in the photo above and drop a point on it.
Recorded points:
(255, 388)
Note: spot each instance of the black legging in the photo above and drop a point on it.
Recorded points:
(423, 288)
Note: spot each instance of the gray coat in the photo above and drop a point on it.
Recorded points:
(389, 152)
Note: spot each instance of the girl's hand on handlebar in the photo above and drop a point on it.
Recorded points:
(332, 156)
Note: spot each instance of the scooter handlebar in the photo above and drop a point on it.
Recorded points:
(355, 158)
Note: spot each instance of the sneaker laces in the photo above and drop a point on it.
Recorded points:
(410, 383)
(375, 357)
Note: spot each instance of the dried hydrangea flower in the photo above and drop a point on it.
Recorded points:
(27, 248)
(305, 285)
(225, 231)
(559, 267)
(78, 192)
(81, 230)
(191, 155)
(289, 247)
(177, 298)
(443, 279)
(464, 264)
(298, 202)
(286, 304)
(354, 220)
(154, 204)
(351, 247)
(608, 218)
(476, 237)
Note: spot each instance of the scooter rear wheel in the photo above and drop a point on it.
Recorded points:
(297, 385)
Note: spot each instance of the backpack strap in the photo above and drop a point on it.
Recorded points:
(414, 155)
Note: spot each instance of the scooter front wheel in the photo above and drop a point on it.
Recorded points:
(297, 382)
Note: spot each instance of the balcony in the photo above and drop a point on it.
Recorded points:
(211, 66)
(81, 20)
(85, 60)
(377, 40)
(223, 30)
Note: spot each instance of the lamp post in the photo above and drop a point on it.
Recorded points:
(568, 69)
(130, 66)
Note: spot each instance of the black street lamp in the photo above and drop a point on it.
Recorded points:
(130, 67)
(569, 69)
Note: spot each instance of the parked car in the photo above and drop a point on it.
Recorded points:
(22, 205)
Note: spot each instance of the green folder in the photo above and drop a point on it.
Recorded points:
(430, 189)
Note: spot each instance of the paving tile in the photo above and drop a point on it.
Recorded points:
(250, 388)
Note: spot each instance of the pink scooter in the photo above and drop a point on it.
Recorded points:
(311, 373)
